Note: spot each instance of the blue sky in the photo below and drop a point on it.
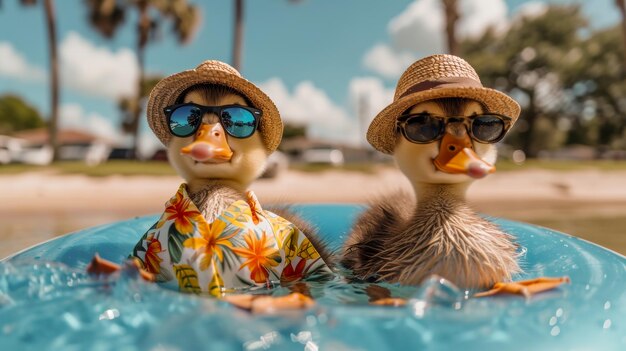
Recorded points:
(315, 59)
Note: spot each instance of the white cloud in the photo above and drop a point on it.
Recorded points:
(13, 64)
(311, 106)
(421, 26)
(73, 116)
(387, 62)
(148, 144)
(478, 15)
(368, 96)
(97, 70)
(419, 31)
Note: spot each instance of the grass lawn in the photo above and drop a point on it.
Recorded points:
(562, 165)
(158, 168)
(117, 167)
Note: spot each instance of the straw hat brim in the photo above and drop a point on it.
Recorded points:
(167, 91)
(382, 131)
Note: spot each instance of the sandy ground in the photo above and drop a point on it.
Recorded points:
(36, 206)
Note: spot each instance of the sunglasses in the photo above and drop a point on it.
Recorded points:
(425, 127)
(238, 121)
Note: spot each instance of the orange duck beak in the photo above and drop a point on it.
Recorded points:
(457, 156)
(210, 145)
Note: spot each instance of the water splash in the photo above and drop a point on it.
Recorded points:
(52, 306)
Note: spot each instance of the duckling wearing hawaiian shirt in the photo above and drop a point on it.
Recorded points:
(244, 246)
(213, 236)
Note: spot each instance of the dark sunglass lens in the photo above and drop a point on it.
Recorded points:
(184, 120)
(238, 122)
(423, 128)
(487, 128)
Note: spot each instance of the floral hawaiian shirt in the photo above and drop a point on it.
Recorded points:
(245, 246)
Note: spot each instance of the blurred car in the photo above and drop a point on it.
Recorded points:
(159, 155)
(323, 155)
(277, 162)
(9, 149)
(121, 153)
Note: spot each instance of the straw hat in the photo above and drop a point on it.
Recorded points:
(167, 91)
(434, 77)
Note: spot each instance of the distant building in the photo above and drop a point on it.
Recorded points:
(9, 148)
(307, 150)
(74, 145)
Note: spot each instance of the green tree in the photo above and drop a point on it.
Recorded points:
(599, 89)
(16, 115)
(106, 16)
(292, 130)
(54, 73)
(621, 5)
(528, 62)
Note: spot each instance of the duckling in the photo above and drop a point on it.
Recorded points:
(441, 129)
(398, 240)
(214, 237)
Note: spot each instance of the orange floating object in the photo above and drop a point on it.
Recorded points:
(99, 265)
(525, 287)
(262, 304)
(389, 301)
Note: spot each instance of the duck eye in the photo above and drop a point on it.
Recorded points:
(423, 128)
(487, 128)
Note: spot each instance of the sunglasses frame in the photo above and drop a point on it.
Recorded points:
(403, 120)
(217, 110)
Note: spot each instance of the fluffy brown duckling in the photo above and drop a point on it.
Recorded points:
(214, 237)
(440, 129)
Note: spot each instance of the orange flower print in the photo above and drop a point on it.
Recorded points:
(183, 212)
(291, 274)
(153, 261)
(212, 242)
(254, 206)
(261, 255)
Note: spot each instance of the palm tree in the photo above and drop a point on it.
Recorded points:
(54, 74)
(451, 11)
(106, 16)
(238, 35)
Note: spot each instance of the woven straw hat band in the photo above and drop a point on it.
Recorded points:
(452, 82)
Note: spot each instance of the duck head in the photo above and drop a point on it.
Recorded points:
(211, 155)
(454, 158)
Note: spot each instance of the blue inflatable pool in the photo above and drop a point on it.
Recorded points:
(47, 302)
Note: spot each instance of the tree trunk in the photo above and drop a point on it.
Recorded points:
(531, 118)
(54, 80)
(622, 9)
(143, 31)
(238, 35)
(452, 16)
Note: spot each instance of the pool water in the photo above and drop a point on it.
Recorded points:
(47, 302)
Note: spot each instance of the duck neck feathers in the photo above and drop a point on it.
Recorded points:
(213, 198)
(445, 236)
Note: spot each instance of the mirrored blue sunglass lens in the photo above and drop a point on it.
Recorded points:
(238, 122)
(423, 128)
(487, 128)
(184, 120)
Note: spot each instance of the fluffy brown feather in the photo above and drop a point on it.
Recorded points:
(400, 242)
